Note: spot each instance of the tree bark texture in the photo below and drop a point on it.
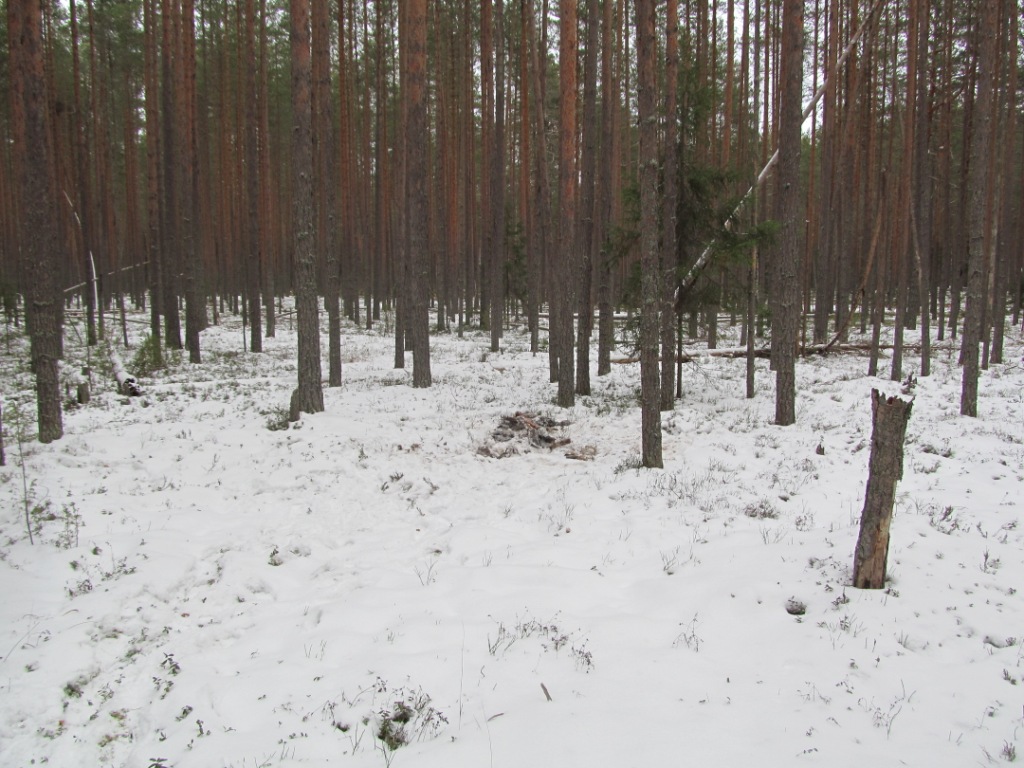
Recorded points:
(309, 396)
(609, 98)
(786, 312)
(669, 240)
(650, 374)
(39, 223)
(253, 240)
(154, 238)
(169, 146)
(561, 320)
(417, 320)
(889, 418)
(977, 186)
(540, 210)
(325, 185)
(588, 179)
(188, 160)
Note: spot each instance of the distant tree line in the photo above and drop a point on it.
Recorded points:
(455, 164)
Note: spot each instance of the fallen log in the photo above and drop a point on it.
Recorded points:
(765, 352)
(126, 383)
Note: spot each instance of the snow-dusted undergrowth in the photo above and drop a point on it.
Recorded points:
(370, 588)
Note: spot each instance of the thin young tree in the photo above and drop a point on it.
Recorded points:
(153, 222)
(380, 250)
(561, 320)
(609, 99)
(588, 183)
(498, 281)
(195, 296)
(540, 209)
(670, 204)
(268, 231)
(347, 176)
(103, 235)
(84, 176)
(493, 63)
(526, 196)
(1009, 227)
(170, 229)
(323, 181)
(901, 234)
(308, 397)
(251, 171)
(921, 223)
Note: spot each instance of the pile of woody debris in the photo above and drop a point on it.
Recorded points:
(523, 432)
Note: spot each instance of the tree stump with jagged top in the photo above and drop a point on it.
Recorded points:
(885, 470)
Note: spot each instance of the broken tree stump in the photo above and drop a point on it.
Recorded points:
(889, 417)
(83, 388)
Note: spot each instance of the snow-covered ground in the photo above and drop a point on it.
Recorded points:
(370, 588)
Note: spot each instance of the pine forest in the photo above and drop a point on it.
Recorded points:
(807, 168)
(497, 383)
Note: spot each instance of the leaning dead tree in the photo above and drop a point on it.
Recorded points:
(689, 280)
(889, 418)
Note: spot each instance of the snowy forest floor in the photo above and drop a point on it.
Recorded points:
(372, 587)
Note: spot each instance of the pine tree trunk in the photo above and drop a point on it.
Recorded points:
(669, 241)
(308, 397)
(588, 181)
(417, 320)
(1008, 228)
(650, 396)
(609, 100)
(540, 210)
(40, 245)
(561, 319)
(325, 183)
(889, 417)
(170, 145)
(268, 232)
(977, 190)
(254, 244)
(496, 180)
(153, 234)
(786, 284)
(83, 166)
(195, 295)
(921, 224)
